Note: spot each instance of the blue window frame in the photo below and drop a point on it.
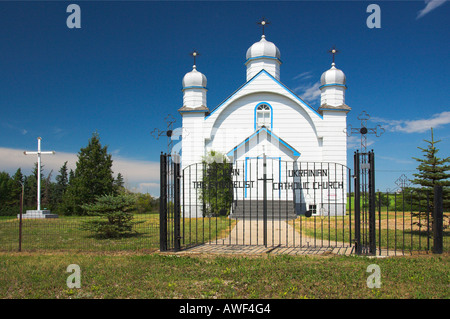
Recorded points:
(263, 116)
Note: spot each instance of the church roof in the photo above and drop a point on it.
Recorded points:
(296, 97)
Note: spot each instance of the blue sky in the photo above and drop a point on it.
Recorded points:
(120, 73)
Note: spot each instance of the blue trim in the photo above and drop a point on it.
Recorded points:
(278, 82)
(294, 151)
(271, 115)
(262, 57)
(333, 84)
(193, 87)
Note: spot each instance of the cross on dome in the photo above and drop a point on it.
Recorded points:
(194, 54)
(263, 23)
(333, 52)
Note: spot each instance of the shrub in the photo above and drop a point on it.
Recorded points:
(118, 212)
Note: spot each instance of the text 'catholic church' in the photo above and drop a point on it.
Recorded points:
(305, 149)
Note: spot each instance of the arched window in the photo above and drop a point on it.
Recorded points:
(263, 116)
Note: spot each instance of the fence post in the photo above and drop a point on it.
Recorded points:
(177, 206)
(265, 198)
(358, 247)
(163, 203)
(372, 200)
(438, 216)
(20, 217)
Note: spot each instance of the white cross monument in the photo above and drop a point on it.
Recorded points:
(38, 213)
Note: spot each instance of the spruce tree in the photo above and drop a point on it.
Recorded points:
(62, 180)
(17, 187)
(432, 171)
(118, 183)
(93, 177)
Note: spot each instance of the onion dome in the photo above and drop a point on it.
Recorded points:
(194, 79)
(263, 48)
(332, 76)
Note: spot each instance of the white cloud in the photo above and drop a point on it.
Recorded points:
(16, 128)
(151, 188)
(137, 174)
(354, 142)
(136, 171)
(430, 6)
(303, 76)
(310, 92)
(396, 160)
(12, 159)
(415, 126)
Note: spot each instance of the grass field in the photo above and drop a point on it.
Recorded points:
(137, 275)
(394, 230)
(65, 233)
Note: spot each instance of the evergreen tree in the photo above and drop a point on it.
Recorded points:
(18, 180)
(432, 171)
(116, 212)
(93, 177)
(118, 183)
(5, 193)
(30, 183)
(62, 181)
(71, 177)
(47, 191)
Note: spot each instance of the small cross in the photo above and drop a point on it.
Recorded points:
(263, 23)
(364, 130)
(39, 153)
(194, 54)
(156, 133)
(402, 181)
(333, 51)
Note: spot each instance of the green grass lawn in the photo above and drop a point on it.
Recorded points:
(65, 233)
(138, 275)
(394, 231)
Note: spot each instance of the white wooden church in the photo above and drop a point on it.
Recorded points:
(264, 117)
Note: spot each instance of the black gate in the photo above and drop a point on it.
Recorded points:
(256, 201)
(266, 201)
(169, 205)
(365, 203)
(410, 220)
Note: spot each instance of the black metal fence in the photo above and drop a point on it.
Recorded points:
(194, 210)
(67, 233)
(283, 206)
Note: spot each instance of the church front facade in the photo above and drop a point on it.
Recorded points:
(264, 122)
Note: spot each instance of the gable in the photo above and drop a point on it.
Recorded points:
(257, 138)
(262, 82)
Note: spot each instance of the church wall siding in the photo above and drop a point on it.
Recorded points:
(289, 121)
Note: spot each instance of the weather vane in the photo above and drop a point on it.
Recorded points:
(333, 52)
(263, 23)
(156, 133)
(194, 54)
(364, 130)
